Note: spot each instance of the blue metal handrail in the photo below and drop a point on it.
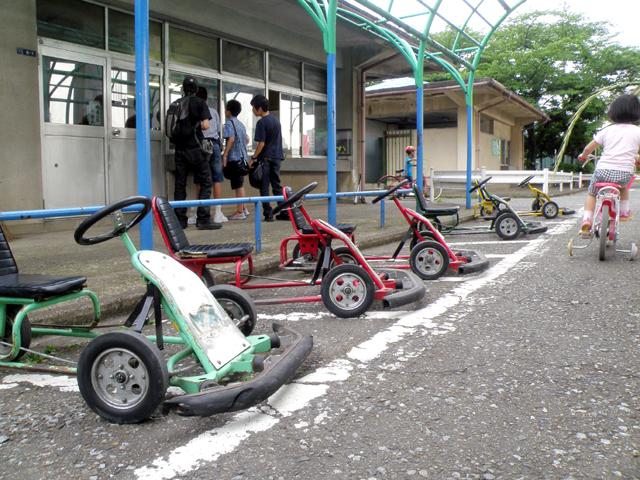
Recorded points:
(81, 211)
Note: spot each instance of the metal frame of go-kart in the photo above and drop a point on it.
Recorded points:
(506, 223)
(430, 255)
(542, 205)
(123, 376)
(347, 291)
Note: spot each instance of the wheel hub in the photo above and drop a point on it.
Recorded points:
(120, 378)
(348, 291)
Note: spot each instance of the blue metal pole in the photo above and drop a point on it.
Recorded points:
(382, 213)
(143, 139)
(420, 136)
(331, 137)
(257, 226)
(469, 153)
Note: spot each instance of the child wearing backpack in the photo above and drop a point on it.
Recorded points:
(617, 164)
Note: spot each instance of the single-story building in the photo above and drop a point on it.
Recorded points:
(500, 117)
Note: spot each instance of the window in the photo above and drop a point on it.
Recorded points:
(243, 94)
(289, 115)
(72, 21)
(123, 94)
(486, 124)
(211, 84)
(315, 79)
(192, 49)
(242, 60)
(72, 92)
(122, 37)
(314, 128)
(285, 72)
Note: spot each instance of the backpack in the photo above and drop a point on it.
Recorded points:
(177, 126)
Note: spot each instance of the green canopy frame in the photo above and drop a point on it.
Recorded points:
(406, 25)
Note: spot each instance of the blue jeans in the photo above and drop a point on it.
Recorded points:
(215, 161)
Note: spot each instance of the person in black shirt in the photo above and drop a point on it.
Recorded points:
(190, 157)
(268, 136)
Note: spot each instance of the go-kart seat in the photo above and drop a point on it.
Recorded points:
(305, 228)
(36, 287)
(181, 247)
(440, 210)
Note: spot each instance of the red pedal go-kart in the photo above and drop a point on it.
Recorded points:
(430, 255)
(346, 290)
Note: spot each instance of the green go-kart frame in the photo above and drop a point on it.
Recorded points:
(122, 374)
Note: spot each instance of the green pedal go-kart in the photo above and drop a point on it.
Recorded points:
(122, 374)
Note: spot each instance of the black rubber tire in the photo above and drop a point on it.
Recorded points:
(25, 332)
(149, 355)
(208, 278)
(344, 254)
(237, 300)
(550, 210)
(483, 213)
(504, 232)
(333, 275)
(418, 251)
(415, 240)
(603, 233)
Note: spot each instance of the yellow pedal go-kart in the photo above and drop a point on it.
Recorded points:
(543, 205)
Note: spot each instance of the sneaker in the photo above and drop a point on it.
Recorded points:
(191, 220)
(238, 216)
(208, 226)
(282, 216)
(219, 217)
(268, 218)
(585, 229)
(246, 212)
(624, 216)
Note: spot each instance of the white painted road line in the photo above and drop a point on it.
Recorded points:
(491, 242)
(209, 446)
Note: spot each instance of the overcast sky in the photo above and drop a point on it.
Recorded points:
(623, 15)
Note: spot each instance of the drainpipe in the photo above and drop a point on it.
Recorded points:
(363, 127)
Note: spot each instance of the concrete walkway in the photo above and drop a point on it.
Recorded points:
(110, 274)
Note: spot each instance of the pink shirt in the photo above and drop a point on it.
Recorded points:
(621, 142)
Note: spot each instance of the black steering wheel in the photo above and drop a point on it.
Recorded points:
(391, 190)
(479, 184)
(526, 181)
(295, 197)
(89, 222)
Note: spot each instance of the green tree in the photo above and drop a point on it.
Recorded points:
(556, 59)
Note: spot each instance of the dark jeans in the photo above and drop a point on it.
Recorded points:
(195, 161)
(271, 176)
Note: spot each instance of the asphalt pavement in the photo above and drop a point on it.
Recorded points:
(526, 370)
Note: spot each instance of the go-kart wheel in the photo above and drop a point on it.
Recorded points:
(603, 236)
(347, 291)
(426, 234)
(122, 376)
(570, 247)
(345, 256)
(550, 210)
(238, 305)
(507, 226)
(87, 223)
(25, 334)
(536, 204)
(208, 278)
(429, 260)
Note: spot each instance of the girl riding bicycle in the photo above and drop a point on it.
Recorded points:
(620, 142)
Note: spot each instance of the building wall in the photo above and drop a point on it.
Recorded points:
(20, 181)
(440, 146)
